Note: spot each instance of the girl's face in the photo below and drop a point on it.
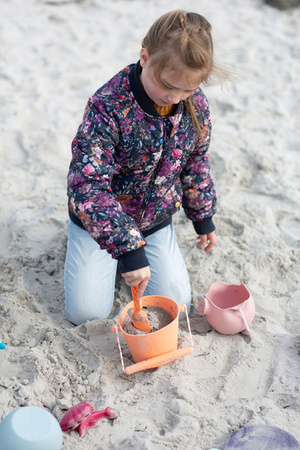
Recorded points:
(173, 88)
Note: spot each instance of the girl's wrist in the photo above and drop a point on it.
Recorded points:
(204, 226)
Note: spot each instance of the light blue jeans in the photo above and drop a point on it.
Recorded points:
(90, 274)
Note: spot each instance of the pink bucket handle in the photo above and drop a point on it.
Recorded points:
(159, 360)
(239, 308)
(245, 321)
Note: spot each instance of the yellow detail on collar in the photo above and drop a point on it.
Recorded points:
(165, 111)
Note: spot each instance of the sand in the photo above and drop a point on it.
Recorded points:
(54, 55)
(157, 318)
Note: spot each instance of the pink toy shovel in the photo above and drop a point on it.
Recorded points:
(229, 308)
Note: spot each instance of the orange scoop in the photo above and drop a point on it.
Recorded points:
(139, 317)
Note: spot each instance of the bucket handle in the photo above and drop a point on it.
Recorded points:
(159, 360)
(245, 321)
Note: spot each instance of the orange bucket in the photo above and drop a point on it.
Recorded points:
(154, 349)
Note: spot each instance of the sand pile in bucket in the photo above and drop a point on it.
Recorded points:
(157, 318)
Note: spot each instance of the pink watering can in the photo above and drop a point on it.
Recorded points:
(229, 308)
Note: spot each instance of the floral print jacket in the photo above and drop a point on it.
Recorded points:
(132, 168)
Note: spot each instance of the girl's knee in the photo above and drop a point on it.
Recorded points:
(79, 315)
(80, 307)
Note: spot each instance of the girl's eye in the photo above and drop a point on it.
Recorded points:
(167, 87)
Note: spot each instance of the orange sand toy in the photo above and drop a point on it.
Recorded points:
(157, 348)
(138, 316)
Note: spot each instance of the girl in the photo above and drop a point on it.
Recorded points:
(140, 152)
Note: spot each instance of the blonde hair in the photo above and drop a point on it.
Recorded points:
(185, 36)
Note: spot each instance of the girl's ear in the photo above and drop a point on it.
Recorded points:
(144, 57)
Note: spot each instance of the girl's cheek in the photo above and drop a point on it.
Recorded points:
(185, 96)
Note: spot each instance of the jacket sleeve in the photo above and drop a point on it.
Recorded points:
(89, 187)
(199, 197)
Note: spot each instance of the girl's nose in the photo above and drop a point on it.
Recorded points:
(173, 98)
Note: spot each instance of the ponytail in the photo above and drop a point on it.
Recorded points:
(192, 109)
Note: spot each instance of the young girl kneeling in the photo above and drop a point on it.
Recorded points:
(140, 152)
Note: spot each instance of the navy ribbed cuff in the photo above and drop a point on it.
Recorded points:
(204, 226)
(134, 260)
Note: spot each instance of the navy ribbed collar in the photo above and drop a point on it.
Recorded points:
(140, 95)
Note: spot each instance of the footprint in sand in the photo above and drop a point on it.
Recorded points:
(230, 227)
(290, 229)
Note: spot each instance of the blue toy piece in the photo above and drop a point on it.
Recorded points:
(30, 428)
(261, 437)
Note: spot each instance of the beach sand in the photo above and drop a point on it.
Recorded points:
(54, 55)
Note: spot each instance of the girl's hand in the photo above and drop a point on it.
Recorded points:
(138, 277)
(207, 241)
